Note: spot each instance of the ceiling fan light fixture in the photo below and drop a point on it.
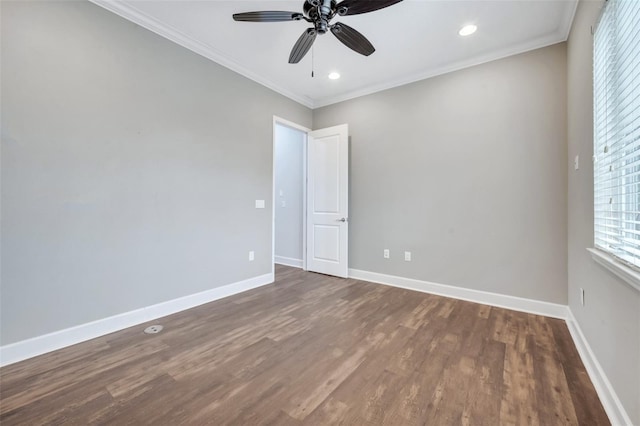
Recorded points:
(467, 30)
(334, 75)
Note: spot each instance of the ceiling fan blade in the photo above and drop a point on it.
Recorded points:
(302, 46)
(355, 7)
(267, 16)
(352, 39)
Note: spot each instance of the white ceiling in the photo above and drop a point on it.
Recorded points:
(414, 39)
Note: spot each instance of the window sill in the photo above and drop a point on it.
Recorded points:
(629, 275)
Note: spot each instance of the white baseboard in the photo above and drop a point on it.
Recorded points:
(39, 345)
(610, 401)
(608, 397)
(537, 307)
(288, 261)
(29, 348)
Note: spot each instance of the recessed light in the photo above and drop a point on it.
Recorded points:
(334, 76)
(467, 30)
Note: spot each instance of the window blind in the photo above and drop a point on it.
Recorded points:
(616, 115)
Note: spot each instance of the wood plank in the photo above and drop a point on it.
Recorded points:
(311, 350)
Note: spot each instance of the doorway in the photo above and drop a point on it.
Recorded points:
(289, 177)
(310, 197)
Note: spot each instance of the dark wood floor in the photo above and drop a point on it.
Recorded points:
(314, 350)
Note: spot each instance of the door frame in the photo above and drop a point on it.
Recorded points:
(286, 123)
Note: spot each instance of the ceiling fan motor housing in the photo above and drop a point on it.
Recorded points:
(320, 12)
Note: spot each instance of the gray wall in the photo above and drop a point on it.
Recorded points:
(289, 179)
(610, 318)
(468, 172)
(130, 168)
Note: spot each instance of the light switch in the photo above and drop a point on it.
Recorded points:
(576, 162)
(407, 256)
(283, 203)
(259, 204)
(281, 193)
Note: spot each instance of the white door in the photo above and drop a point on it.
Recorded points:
(327, 201)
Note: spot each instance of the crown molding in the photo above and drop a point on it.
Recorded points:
(567, 21)
(138, 17)
(134, 15)
(558, 37)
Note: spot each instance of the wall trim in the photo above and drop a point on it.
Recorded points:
(521, 304)
(132, 14)
(548, 40)
(567, 20)
(288, 261)
(608, 397)
(629, 275)
(39, 345)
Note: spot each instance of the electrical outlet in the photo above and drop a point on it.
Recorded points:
(386, 253)
(252, 256)
(582, 296)
(407, 256)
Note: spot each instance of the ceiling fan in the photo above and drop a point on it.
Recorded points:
(320, 13)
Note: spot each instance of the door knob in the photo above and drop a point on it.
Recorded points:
(344, 219)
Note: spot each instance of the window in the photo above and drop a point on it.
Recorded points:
(616, 114)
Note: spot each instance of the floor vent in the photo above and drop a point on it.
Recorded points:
(154, 329)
